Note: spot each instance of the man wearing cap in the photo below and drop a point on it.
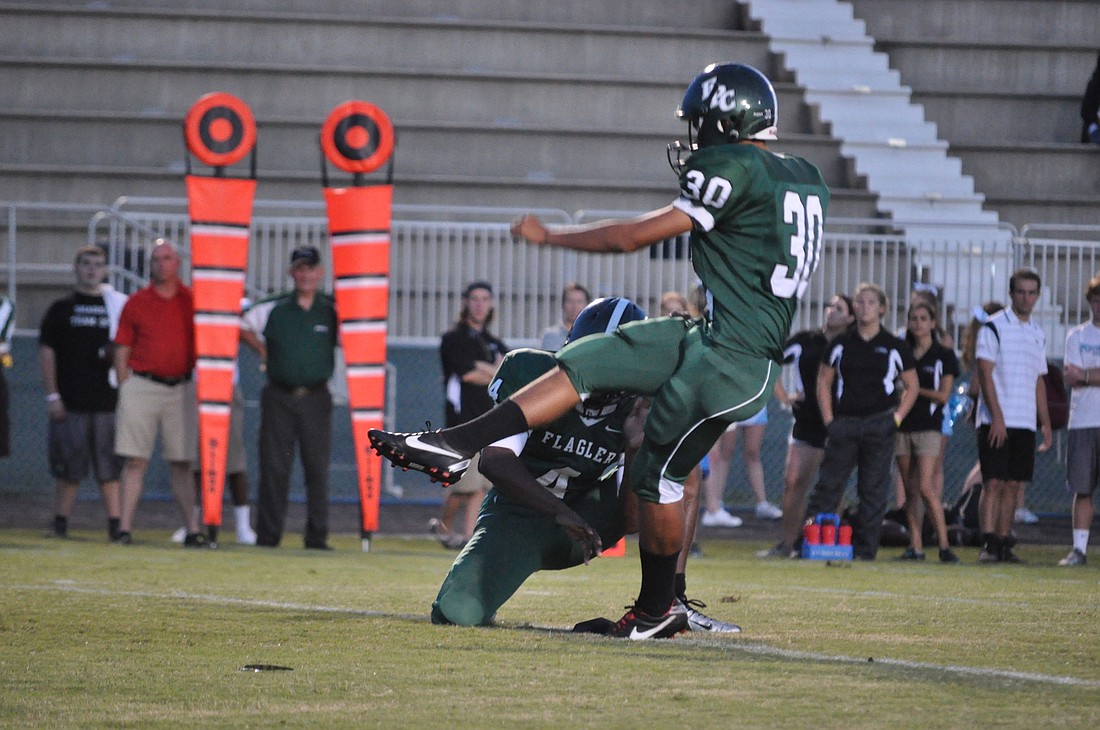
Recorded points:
(154, 360)
(294, 334)
(470, 355)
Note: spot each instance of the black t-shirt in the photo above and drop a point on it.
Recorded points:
(866, 372)
(804, 350)
(927, 415)
(459, 349)
(76, 329)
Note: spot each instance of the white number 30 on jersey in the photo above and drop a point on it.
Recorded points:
(809, 222)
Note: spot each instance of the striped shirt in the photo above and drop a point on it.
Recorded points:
(1018, 353)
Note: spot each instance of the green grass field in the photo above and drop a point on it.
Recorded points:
(153, 635)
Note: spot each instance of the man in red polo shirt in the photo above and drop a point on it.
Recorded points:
(154, 361)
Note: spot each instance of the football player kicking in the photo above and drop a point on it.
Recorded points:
(555, 499)
(756, 221)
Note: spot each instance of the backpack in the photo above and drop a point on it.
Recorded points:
(1057, 400)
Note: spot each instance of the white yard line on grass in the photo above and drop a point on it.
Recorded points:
(738, 646)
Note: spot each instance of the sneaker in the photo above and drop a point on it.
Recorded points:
(317, 545)
(1025, 517)
(246, 535)
(699, 621)
(947, 556)
(768, 511)
(638, 626)
(911, 554)
(721, 518)
(423, 451)
(1075, 558)
(123, 538)
(439, 531)
(988, 556)
(1007, 556)
(60, 526)
(179, 536)
(194, 540)
(778, 551)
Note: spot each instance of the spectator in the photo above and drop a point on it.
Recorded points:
(1011, 358)
(861, 412)
(751, 433)
(804, 352)
(154, 360)
(1090, 107)
(295, 335)
(470, 355)
(1082, 375)
(574, 298)
(920, 438)
(7, 324)
(75, 355)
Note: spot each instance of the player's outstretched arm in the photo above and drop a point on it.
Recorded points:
(510, 477)
(607, 236)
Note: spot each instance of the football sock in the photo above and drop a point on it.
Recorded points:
(500, 422)
(681, 586)
(1081, 540)
(658, 583)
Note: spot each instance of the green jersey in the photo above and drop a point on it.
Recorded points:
(756, 240)
(578, 449)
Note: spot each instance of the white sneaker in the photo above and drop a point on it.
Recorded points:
(768, 511)
(721, 518)
(179, 536)
(1026, 517)
(246, 535)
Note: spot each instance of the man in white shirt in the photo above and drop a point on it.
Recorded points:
(1011, 356)
(1082, 361)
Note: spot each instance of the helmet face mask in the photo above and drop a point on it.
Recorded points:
(725, 104)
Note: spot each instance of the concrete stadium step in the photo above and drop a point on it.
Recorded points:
(967, 117)
(369, 43)
(1063, 168)
(623, 13)
(1058, 22)
(102, 184)
(424, 147)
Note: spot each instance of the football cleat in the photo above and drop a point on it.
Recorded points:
(1075, 558)
(423, 451)
(699, 621)
(638, 626)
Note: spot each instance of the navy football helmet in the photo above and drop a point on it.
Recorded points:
(726, 103)
(603, 316)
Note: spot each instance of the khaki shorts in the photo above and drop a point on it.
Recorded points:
(918, 443)
(146, 408)
(473, 481)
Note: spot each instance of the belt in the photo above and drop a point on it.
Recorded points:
(161, 379)
(298, 391)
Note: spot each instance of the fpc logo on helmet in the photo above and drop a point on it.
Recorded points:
(722, 98)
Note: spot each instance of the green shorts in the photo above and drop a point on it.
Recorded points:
(510, 543)
(697, 388)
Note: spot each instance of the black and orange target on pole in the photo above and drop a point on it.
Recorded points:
(219, 131)
(357, 137)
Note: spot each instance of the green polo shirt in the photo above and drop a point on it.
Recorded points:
(301, 343)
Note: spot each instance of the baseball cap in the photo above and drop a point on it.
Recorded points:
(306, 255)
(477, 285)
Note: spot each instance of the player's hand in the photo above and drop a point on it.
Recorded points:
(1048, 438)
(582, 532)
(1074, 376)
(530, 228)
(998, 434)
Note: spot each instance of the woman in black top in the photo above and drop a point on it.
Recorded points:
(861, 411)
(920, 439)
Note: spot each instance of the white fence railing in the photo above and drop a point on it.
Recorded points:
(436, 251)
